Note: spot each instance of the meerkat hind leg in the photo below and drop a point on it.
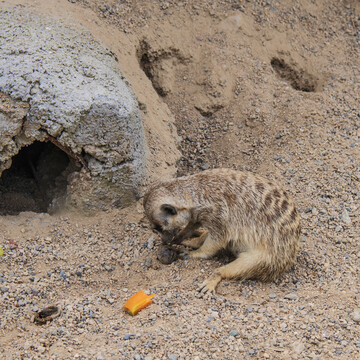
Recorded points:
(247, 265)
(197, 241)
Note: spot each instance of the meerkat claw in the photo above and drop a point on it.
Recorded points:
(206, 288)
(184, 255)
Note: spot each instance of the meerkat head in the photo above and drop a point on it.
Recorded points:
(166, 215)
(169, 220)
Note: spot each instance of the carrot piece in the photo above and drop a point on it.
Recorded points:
(137, 302)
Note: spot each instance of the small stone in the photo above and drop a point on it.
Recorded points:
(345, 217)
(233, 333)
(21, 302)
(173, 357)
(272, 296)
(167, 255)
(205, 166)
(356, 316)
(127, 337)
(290, 296)
(150, 242)
(78, 273)
(298, 347)
(148, 262)
(338, 228)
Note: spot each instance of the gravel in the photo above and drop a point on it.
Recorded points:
(92, 266)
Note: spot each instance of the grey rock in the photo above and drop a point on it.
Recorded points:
(59, 84)
(150, 242)
(298, 347)
(338, 228)
(21, 302)
(345, 217)
(148, 262)
(290, 296)
(356, 316)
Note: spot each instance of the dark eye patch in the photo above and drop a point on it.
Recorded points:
(169, 209)
(158, 228)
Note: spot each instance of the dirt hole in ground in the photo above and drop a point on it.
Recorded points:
(148, 64)
(36, 180)
(298, 79)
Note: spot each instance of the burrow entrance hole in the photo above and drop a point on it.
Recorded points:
(298, 79)
(36, 180)
(148, 64)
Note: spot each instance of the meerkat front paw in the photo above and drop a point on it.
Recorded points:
(184, 255)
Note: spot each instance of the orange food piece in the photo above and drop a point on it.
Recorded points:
(137, 302)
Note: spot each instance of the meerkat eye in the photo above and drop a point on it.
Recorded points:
(169, 209)
(158, 228)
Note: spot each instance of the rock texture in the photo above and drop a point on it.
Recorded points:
(59, 84)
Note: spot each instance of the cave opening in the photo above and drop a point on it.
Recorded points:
(37, 179)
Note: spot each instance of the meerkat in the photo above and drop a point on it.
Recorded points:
(245, 213)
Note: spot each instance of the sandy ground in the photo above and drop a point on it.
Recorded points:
(266, 86)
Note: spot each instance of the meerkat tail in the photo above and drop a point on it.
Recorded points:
(248, 265)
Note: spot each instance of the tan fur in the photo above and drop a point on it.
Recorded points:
(245, 213)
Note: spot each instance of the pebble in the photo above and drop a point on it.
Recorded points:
(173, 357)
(78, 273)
(355, 316)
(345, 217)
(290, 296)
(150, 242)
(298, 347)
(233, 333)
(21, 302)
(338, 228)
(148, 262)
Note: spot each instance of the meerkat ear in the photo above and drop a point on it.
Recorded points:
(169, 209)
